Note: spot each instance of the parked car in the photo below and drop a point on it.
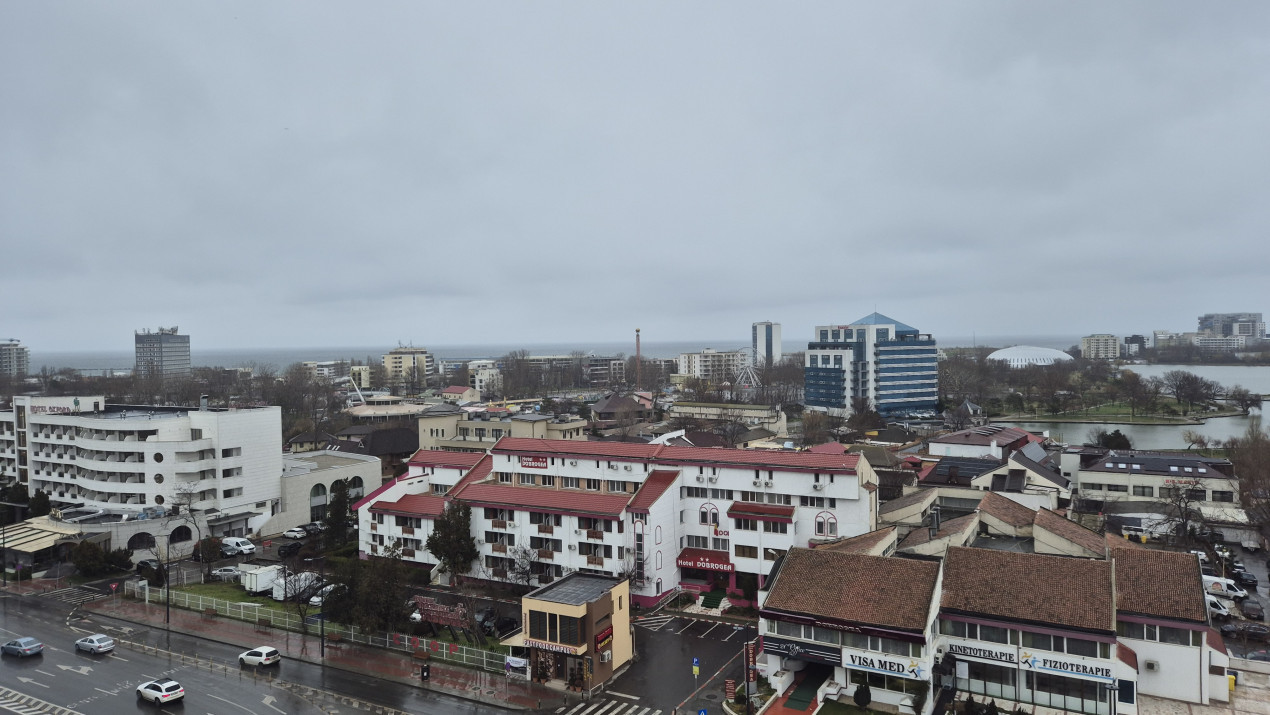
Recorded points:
(1261, 655)
(291, 548)
(505, 625)
(22, 647)
(1245, 579)
(1251, 546)
(160, 691)
(314, 527)
(295, 532)
(1246, 631)
(99, 643)
(264, 655)
(320, 597)
(229, 551)
(147, 565)
(226, 573)
(1252, 609)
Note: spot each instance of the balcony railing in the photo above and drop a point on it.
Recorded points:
(546, 529)
(408, 530)
(595, 561)
(595, 534)
(547, 554)
(498, 548)
(408, 553)
(499, 524)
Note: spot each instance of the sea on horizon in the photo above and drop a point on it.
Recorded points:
(281, 358)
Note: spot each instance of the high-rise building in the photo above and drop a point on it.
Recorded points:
(877, 358)
(1100, 346)
(15, 360)
(766, 344)
(409, 365)
(712, 365)
(163, 353)
(1250, 325)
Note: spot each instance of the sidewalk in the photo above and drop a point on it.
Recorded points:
(376, 662)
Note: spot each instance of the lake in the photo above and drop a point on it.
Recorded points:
(1144, 436)
(1254, 377)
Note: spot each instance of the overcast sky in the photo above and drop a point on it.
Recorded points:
(318, 173)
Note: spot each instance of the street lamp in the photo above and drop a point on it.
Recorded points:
(322, 614)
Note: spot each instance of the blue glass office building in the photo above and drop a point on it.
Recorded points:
(890, 363)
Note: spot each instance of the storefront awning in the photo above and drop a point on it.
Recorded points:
(705, 559)
(761, 512)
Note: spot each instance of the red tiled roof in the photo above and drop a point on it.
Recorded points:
(562, 500)
(615, 450)
(762, 512)
(705, 559)
(984, 436)
(1033, 588)
(658, 481)
(828, 448)
(1127, 655)
(439, 458)
(474, 475)
(1070, 530)
(412, 505)
(921, 534)
(862, 544)
(455, 390)
(1215, 641)
(856, 588)
(1006, 509)
(369, 498)
(1165, 584)
(761, 458)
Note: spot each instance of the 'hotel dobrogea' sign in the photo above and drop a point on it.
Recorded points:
(534, 462)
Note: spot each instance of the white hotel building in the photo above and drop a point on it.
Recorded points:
(96, 457)
(692, 518)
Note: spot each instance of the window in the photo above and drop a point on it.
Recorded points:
(826, 526)
(709, 516)
(995, 634)
(617, 487)
(817, 502)
(720, 545)
(505, 477)
(1144, 491)
(528, 479)
(696, 493)
(725, 494)
(593, 485)
(698, 542)
(752, 496)
(440, 488)
(1118, 487)
(746, 552)
(785, 499)
(774, 527)
(226, 494)
(745, 524)
(1092, 487)
(1224, 496)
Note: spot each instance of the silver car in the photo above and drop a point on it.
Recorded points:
(22, 647)
(99, 643)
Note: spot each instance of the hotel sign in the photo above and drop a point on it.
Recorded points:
(703, 564)
(554, 647)
(817, 653)
(901, 668)
(984, 652)
(603, 638)
(534, 462)
(1074, 666)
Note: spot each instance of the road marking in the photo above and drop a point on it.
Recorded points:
(703, 635)
(690, 625)
(112, 655)
(108, 692)
(81, 669)
(41, 672)
(608, 704)
(31, 682)
(227, 702)
(269, 701)
(623, 695)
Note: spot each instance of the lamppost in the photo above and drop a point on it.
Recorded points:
(4, 550)
(321, 614)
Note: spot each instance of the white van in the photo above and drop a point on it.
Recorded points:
(244, 546)
(1217, 609)
(1224, 587)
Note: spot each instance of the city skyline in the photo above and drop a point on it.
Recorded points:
(440, 173)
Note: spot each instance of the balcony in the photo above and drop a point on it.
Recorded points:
(374, 526)
(595, 534)
(407, 553)
(546, 529)
(498, 548)
(546, 554)
(408, 530)
(498, 524)
(500, 573)
(595, 561)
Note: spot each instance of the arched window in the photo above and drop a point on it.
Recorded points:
(317, 503)
(657, 535)
(318, 490)
(826, 524)
(355, 488)
(659, 587)
(658, 566)
(709, 515)
(179, 534)
(141, 540)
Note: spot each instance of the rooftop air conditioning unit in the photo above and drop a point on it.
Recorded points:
(817, 487)
(700, 478)
(767, 484)
(1153, 665)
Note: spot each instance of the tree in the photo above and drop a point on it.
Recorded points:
(1243, 398)
(523, 564)
(862, 696)
(380, 599)
(339, 515)
(1250, 456)
(39, 504)
(90, 559)
(1111, 440)
(1195, 439)
(863, 416)
(451, 541)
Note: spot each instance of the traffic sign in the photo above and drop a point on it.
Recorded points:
(702, 711)
(696, 670)
(696, 661)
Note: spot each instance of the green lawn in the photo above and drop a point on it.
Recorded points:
(833, 707)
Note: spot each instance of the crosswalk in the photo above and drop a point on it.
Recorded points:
(75, 594)
(655, 622)
(16, 702)
(607, 707)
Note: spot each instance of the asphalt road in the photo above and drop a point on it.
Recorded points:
(209, 672)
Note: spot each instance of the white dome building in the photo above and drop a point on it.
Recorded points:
(1025, 355)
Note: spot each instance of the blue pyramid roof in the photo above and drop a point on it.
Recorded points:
(879, 319)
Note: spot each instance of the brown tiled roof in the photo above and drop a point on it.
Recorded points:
(1070, 530)
(1166, 584)
(672, 455)
(984, 436)
(578, 448)
(562, 500)
(439, 458)
(423, 505)
(1119, 542)
(828, 448)
(1031, 588)
(1006, 509)
(869, 590)
(861, 544)
(921, 535)
(658, 481)
(909, 499)
(1215, 641)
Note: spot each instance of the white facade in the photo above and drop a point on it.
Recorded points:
(766, 344)
(307, 480)
(401, 363)
(1101, 346)
(15, 360)
(712, 365)
(82, 452)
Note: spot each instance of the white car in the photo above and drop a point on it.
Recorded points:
(320, 597)
(99, 643)
(226, 573)
(160, 691)
(264, 655)
(295, 532)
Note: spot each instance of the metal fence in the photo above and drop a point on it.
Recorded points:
(469, 656)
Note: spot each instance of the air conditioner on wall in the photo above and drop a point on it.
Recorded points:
(713, 479)
(573, 462)
(767, 484)
(1153, 665)
(606, 656)
(573, 547)
(511, 525)
(627, 467)
(480, 542)
(757, 483)
(577, 532)
(700, 478)
(817, 487)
